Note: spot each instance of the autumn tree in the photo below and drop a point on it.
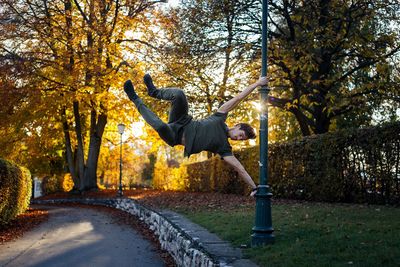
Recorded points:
(331, 58)
(331, 63)
(73, 53)
(203, 48)
(24, 139)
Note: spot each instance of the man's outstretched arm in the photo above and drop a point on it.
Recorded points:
(235, 163)
(231, 104)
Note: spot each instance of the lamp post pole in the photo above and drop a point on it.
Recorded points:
(263, 231)
(121, 128)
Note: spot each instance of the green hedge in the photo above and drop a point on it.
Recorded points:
(214, 175)
(57, 183)
(361, 165)
(51, 184)
(15, 190)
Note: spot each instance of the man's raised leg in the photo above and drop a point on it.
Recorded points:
(130, 90)
(163, 130)
(179, 105)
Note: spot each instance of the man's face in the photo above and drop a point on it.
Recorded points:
(237, 134)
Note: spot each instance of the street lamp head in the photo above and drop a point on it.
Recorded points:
(157, 1)
(121, 128)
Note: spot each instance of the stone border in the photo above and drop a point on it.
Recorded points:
(185, 250)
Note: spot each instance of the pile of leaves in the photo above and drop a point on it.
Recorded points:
(177, 200)
(22, 223)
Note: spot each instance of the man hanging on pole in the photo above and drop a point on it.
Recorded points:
(209, 134)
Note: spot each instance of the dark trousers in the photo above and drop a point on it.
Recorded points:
(178, 115)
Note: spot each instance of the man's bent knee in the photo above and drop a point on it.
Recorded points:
(178, 93)
(166, 134)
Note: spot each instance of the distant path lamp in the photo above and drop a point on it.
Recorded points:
(156, 1)
(263, 231)
(121, 129)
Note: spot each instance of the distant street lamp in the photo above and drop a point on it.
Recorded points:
(121, 128)
(156, 1)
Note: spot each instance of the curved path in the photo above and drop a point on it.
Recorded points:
(79, 237)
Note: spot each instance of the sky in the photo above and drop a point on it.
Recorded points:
(173, 2)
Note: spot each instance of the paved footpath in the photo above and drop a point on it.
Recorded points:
(79, 237)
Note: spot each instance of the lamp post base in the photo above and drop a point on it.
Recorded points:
(263, 230)
(120, 193)
(260, 239)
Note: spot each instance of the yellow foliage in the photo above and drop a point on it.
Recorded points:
(168, 178)
(25, 190)
(15, 190)
(67, 183)
(101, 187)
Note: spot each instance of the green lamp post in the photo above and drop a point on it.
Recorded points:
(121, 128)
(263, 231)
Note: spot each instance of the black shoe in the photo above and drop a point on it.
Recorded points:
(129, 90)
(151, 89)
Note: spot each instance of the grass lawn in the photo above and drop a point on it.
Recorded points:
(313, 234)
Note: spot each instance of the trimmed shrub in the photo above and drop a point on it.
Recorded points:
(57, 183)
(25, 192)
(52, 184)
(356, 165)
(15, 190)
(214, 175)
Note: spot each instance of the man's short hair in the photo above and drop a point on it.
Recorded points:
(248, 130)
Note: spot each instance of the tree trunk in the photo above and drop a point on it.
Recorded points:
(228, 51)
(322, 126)
(68, 67)
(96, 134)
(322, 121)
(68, 150)
(301, 119)
(80, 153)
